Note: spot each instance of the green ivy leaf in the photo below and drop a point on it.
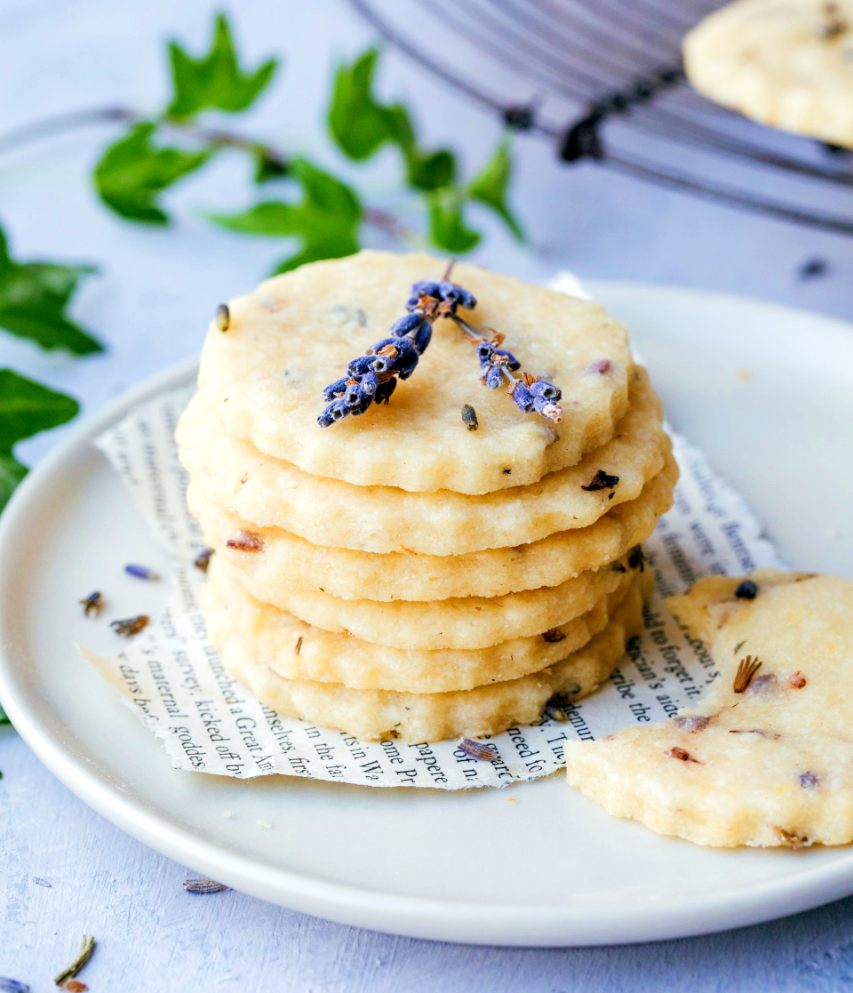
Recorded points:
(426, 171)
(33, 299)
(447, 228)
(134, 171)
(326, 220)
(26, 408)
(489, 187)
(356, 121)
(215, 81)
(361, 125)
(4, 719)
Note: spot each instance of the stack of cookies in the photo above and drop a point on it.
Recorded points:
(448, 562)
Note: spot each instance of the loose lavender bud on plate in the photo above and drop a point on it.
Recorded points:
(477, 749)
(203, 887)
(8, 985)
(93, 604)
(141, 572)
(130, 626)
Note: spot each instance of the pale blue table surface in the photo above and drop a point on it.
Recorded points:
(64, 869)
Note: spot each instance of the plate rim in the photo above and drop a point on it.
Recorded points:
(524, 925)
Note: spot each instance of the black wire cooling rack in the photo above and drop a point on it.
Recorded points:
(602, 81)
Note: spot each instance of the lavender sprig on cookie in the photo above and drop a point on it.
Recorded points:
(372, 377)
(497, 365)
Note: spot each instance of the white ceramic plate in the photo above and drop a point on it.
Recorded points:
(765, 391)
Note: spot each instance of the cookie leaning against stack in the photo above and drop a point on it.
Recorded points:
(410, 572)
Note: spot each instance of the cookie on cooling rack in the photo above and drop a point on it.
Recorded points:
(784, 63)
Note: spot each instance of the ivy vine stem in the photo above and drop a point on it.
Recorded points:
(57, 124)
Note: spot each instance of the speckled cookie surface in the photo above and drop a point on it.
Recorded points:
(371, 714)
(289, 562)
(268, 492)
(767, 758)
(296, 650)
(298, 331)
(458, 622)
(785, 63)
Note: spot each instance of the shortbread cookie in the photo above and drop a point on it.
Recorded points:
(297, 333)
(288, 562)
(460, 622)
(371, 714)
(785, 63)
(767, 759)
(297, 650)
(382, 519)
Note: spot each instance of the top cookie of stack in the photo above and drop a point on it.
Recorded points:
(398, 573)
(296, 333)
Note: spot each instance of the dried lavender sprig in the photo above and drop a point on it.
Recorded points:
(372, 377)
(530, 393)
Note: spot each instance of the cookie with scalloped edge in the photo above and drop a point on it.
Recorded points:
(372, 714)
(298, 332)
(287, 561)
(297, 650)
(458, 622)
(767, 758)
(235, 476)
(784, 63)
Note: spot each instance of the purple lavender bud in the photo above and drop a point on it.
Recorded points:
(512, 362)
(384, 343)
(423, 336)
(336, 411)
(485, 351)
(406, 362)
(141, 572)
(335, 389)
(426, 288)
(523, 397)
(547, 391)
(384, 390)
(407, 325)
(383, 364)
(808, 780)
(359, 366)
(446, 292)
(494, 376)
(456, 296)
(352, 395)
(363, 402)
(369, 383)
